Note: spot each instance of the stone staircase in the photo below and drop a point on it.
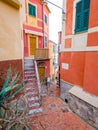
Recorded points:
(33, 97)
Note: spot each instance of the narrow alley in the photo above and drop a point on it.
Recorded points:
(56, 114)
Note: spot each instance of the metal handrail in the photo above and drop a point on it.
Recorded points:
(37, 75)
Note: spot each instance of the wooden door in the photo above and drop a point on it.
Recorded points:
(32, 45)
(41, 71)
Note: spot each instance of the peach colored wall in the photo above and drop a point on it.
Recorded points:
(51, 55)
(10, 35)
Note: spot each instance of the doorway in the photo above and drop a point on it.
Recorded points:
(41, 71)
(32, 45)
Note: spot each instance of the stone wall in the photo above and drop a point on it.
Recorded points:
(65, 87)
(86, 111)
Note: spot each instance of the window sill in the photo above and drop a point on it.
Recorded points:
(75, 33)
(32, 16)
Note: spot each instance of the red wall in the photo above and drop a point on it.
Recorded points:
(26, 53)
(40, 42)
(47, 69)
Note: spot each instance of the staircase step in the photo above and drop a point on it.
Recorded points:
(28, 64)
(33, 99)
(32, 72)
(31, 85)
(29, 76)
(33, 89)
(30, 94)
(28, 60)
(28, 69)
(30, 79)
(34, 105)
(35, 111)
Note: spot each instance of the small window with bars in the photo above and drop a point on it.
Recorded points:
(45, 19)
(82, 15)
(32, 10)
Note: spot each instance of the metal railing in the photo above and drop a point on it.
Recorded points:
(37, 75)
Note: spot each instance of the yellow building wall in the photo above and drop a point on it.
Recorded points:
(51, 55)
(10, 33)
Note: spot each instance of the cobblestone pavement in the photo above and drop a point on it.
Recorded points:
(56, 114)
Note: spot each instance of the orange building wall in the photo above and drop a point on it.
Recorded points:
(68, 43)
(75, 72)
(93, 19)
(68, 26)
(91, 73)
(92, 39)
(83, 65)
(83, 70)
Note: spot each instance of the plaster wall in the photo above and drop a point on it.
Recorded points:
(10, 35)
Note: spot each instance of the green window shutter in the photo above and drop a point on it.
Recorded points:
(86, 6)
(78, 16)
(82, 15)
(32, 10)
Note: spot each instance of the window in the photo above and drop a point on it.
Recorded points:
(32, 10)
(82, 15)
(45, 41)
(45, 19)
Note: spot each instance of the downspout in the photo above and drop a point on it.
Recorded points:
(43, 22)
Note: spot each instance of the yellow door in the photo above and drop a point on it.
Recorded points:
(41, 71)
(32, 45)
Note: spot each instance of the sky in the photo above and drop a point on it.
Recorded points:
(55, 20)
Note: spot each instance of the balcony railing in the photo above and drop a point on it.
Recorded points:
(41, 53)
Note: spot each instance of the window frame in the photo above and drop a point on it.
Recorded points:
(45, 41)
(82, 15)
(31, 7)
(45, 19)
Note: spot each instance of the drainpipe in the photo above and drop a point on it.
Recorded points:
(43, 21)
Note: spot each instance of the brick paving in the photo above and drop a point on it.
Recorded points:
(56, 114)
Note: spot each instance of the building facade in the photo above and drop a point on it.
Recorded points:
(53, 54)
(78, 58)
(11, 42)
(36, 35)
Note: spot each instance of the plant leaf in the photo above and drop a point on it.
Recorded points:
(2, 113)
(21, 86)
(15, 78)
(9, 88)
(3, 106)
(7, 78)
